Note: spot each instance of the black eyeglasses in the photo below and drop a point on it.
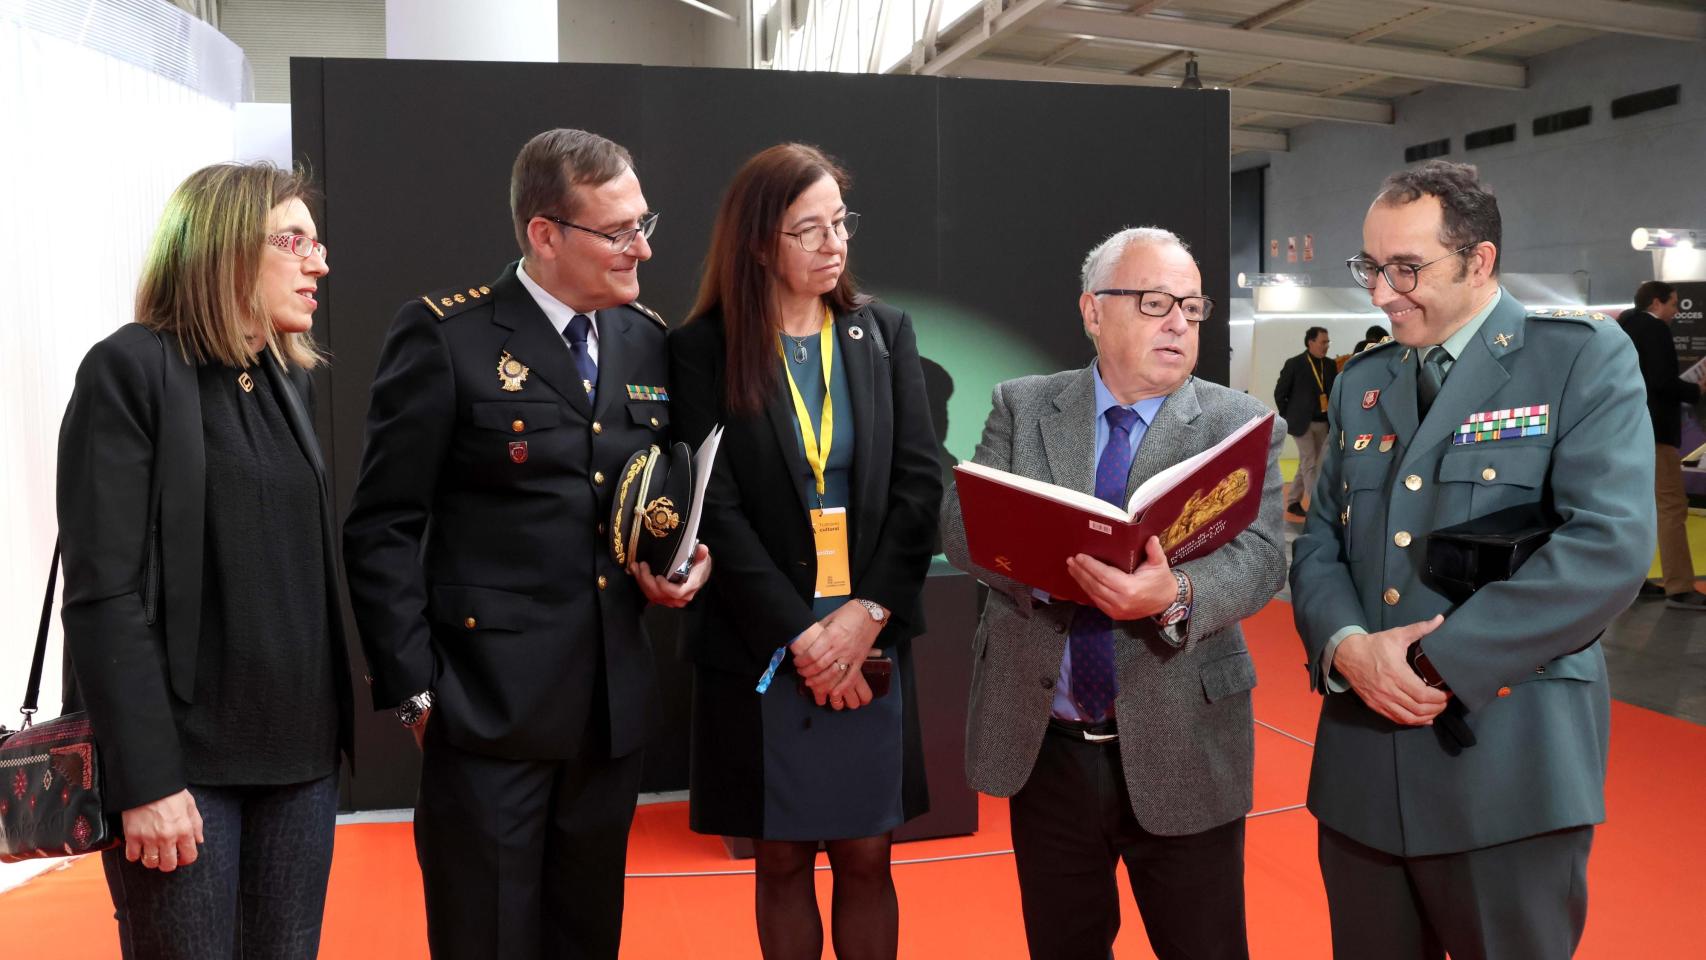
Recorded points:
(300, 244)
(1159, 303)
(1401, 277)
(620, 241)
(812, 239)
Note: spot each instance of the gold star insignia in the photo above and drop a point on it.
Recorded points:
(1503, 339)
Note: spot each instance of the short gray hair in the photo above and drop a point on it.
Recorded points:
(1102, 259)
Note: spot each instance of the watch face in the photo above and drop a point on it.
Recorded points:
(1174, 614)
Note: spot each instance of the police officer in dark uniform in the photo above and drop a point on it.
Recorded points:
(492, 613)
(1469, 835)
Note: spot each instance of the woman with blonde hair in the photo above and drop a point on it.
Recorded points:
(200, 604)
(822, 515)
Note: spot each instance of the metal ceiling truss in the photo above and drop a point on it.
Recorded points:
(988, 41)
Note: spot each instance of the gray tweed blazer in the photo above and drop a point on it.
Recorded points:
(1186, 730)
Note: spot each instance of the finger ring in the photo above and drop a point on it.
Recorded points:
(150, 859)
(841, 666)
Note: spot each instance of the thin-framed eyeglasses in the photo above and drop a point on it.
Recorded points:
(1401, 277)
(620, 241)
(1159, 303)
(300, 244)
(812, 238)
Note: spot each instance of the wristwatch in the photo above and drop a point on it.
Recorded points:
(1178, 611)
(873, 608)
(411, 711)
(1424, 667)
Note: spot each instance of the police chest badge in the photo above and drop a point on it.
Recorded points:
(518, 451)
(513, 373)
(1369, 398)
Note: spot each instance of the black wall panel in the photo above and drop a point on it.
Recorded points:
(980, 199)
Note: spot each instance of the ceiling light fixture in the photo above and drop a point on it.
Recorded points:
(1192, 81)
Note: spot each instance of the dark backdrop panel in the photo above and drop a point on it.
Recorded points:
(1246, 229)
(980, 200)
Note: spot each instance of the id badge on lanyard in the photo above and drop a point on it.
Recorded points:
(829, 524)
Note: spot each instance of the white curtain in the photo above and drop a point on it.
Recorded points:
(94, 144)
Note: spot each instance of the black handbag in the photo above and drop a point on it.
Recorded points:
(50, 774)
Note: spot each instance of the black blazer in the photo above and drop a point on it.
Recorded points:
(475, 548)
(760, 595)
(1296, 393)
(1666, 392)
(131, 494)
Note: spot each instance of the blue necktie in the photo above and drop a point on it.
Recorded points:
(1093, 681)
(579, 328)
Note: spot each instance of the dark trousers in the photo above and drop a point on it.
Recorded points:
(257, 890)
(1073, 823)
(1523, 900)
(524, 858)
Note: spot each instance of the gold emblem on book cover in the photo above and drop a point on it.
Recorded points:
(1202, 508)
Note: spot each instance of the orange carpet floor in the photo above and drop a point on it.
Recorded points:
(959, 898)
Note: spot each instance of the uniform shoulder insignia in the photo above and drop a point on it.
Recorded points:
(1383, 343)
(648, 311)
(445, 304)
(1571, 316)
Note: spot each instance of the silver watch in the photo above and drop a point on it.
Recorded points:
(873, 608)
(411, 711)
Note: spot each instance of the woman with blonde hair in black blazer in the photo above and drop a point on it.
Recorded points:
(200, 603)
(822, 515)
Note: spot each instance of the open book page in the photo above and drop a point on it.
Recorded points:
(1164, 480)
(1695, 374)
(702, 464)
(1072, 498)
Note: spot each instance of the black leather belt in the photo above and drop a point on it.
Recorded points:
(1103, 732)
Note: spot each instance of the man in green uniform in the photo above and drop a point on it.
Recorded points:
(1470, 835)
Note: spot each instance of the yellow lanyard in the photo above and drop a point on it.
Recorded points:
(1319, 385)
(817, 456)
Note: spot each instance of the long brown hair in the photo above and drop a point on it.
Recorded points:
(736, 282)
(200, 277)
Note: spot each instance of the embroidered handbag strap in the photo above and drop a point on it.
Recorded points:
(32, 693)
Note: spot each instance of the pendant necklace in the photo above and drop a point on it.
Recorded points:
(800, 354)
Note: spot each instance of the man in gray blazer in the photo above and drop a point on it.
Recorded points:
(1122, 731)
(1469, 834)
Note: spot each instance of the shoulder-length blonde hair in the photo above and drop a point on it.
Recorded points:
(199, 278)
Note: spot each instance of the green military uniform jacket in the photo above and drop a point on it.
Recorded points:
(1537, 701)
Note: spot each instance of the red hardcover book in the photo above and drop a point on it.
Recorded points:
(1025, 529)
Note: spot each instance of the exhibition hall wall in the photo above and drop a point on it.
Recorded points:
(979, 198)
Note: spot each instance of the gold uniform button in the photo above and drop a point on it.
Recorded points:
(517, 426)
(654, 421)
(602, 582)
(1489, 474)
(1390, 596)
(597, 428)
(1401, 538)
(1504, 691)
(598, 476)
(470, 623)
(1413, 482)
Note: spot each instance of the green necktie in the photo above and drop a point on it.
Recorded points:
(1430, 379)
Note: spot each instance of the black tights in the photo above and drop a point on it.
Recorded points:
(864, 915)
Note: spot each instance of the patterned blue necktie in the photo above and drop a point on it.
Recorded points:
(579, 328)
(1093, 681)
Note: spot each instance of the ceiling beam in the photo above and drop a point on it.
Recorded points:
(1271, 141)
(1158, 63)
(1330, 54)
(1503, 36)
(1611, 16)
(1268, 16)
(987, 33)
(1243, 98)
(1395, 24)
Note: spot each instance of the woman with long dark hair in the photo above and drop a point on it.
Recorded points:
(200, 604)
(822, 515)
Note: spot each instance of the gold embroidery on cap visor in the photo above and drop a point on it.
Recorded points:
(618, 545)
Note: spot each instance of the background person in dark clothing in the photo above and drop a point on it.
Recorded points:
(1648, 325)
(1370, 337)
(1301, 394)
(200, 585)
